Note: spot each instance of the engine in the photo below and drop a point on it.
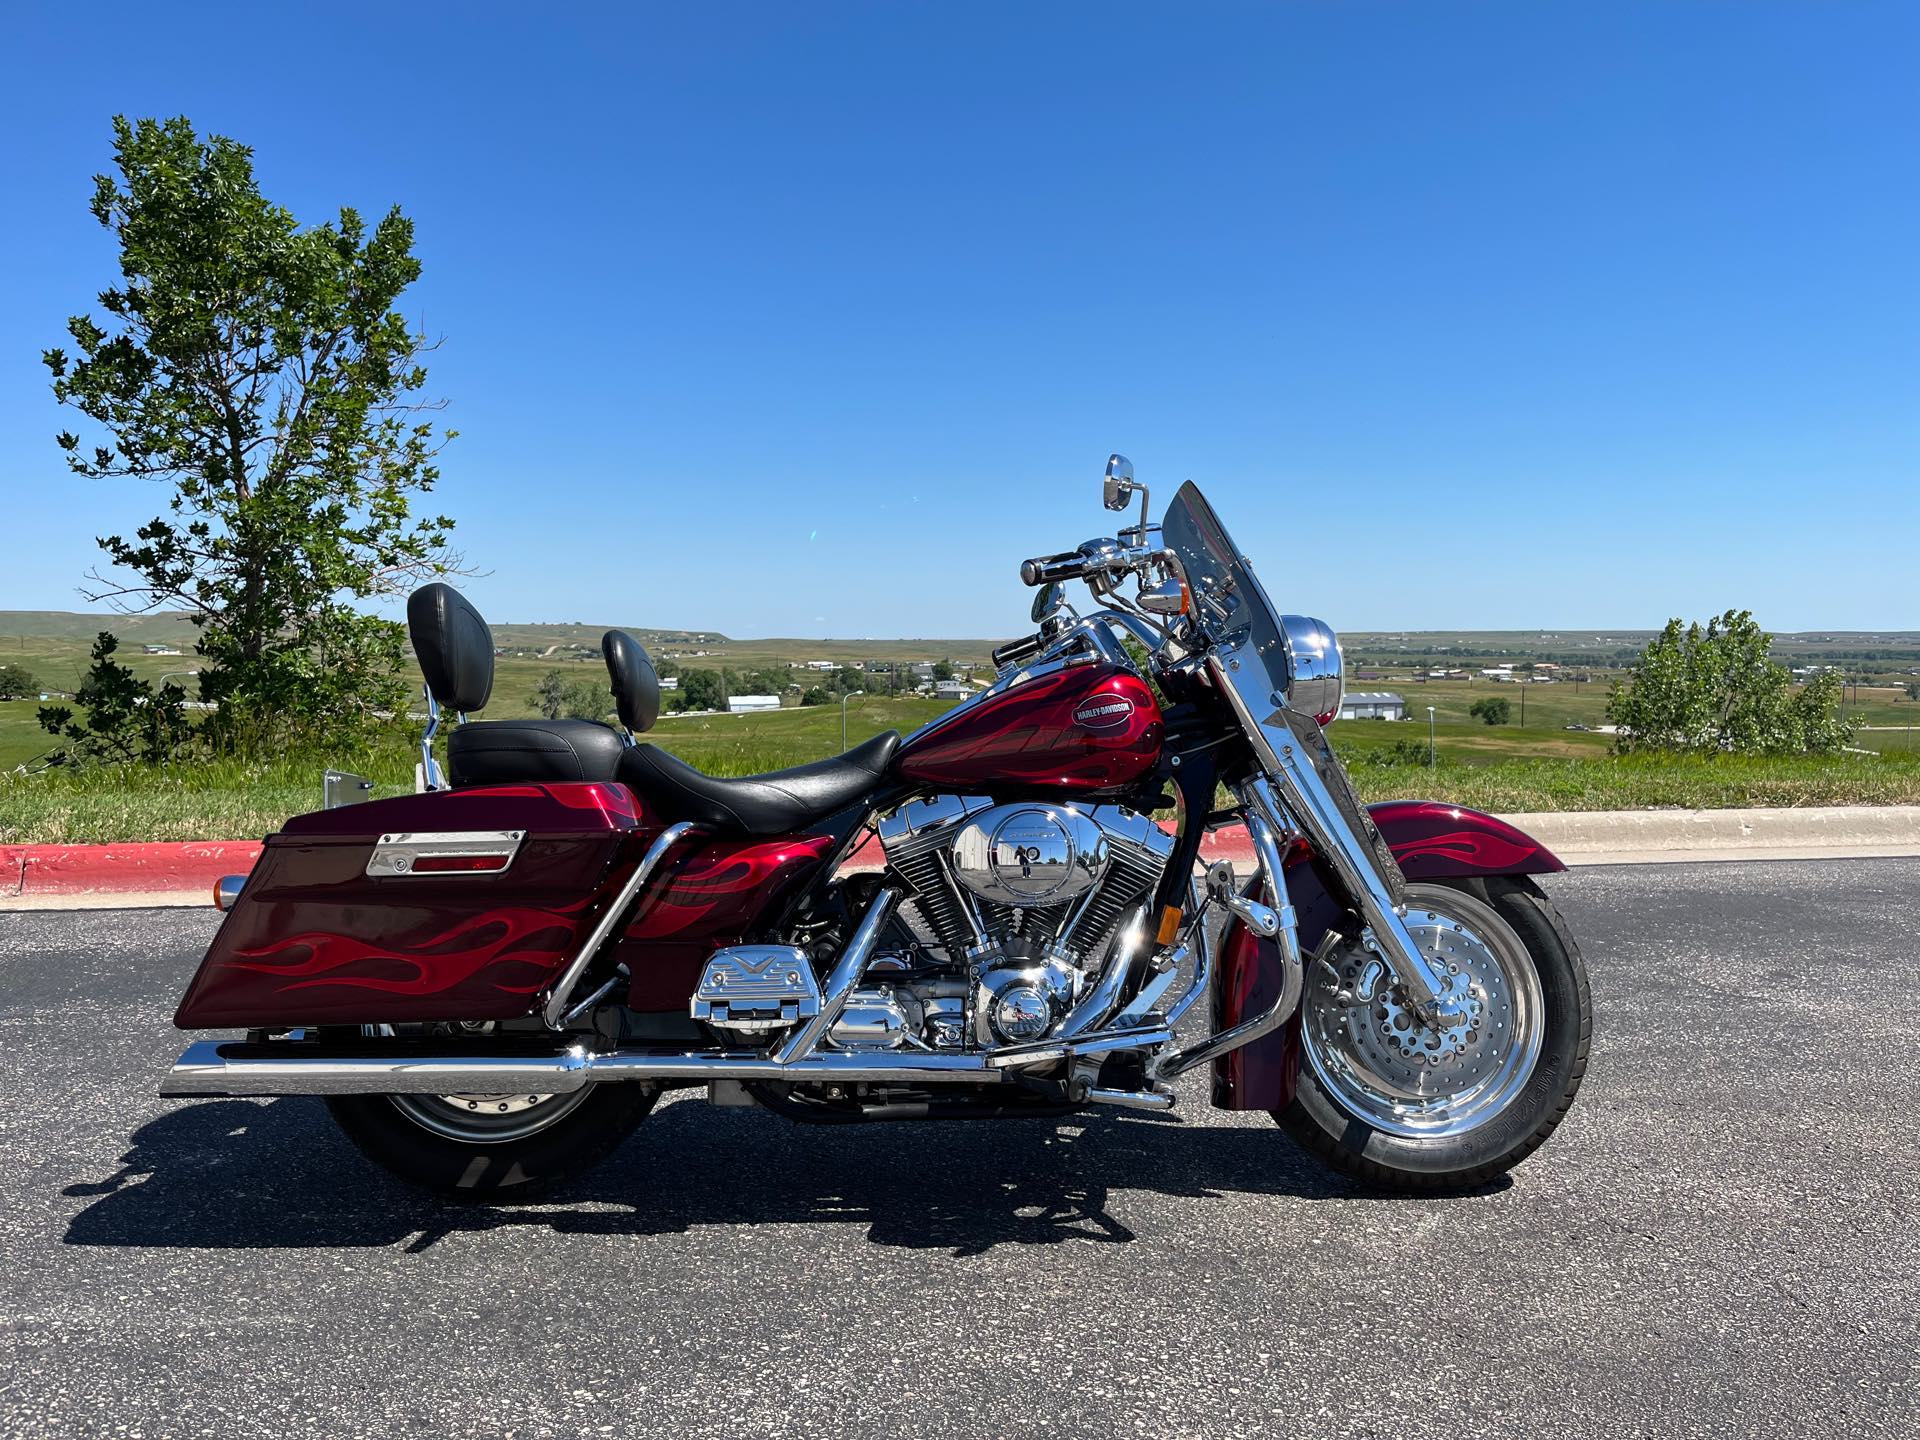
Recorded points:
(1013, 914)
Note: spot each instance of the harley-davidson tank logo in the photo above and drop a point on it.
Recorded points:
(1103, 712)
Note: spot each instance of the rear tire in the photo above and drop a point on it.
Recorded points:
(451, 1146)
(1354, 1126)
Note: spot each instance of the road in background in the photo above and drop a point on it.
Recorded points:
(1718, 1241)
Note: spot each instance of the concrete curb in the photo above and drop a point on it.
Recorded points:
(1623, 837)
(75, 877)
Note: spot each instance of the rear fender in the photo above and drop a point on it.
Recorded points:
(1432, 842)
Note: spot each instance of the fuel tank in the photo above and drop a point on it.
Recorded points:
(1085, 729)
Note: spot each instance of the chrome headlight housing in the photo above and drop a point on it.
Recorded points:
(1314, 683)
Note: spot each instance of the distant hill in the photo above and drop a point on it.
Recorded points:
(62, 636)
(54, 644)
(84, 625)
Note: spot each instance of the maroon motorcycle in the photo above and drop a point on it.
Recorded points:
(494, 980)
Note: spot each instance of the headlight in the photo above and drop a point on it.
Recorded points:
(1313, 666)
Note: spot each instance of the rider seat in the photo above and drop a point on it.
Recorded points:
(455, 648)
(778, 803)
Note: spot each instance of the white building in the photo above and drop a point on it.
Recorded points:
(951, 689)
(746, 704)
(1373, 705)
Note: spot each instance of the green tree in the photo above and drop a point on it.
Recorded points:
(125, 719)
(1913, 690)
(1492, 710)
(702, 690)
(1715, 688)
(943, 670)
(261, 372)
(558, 698)
(814, 695)
(17, 682)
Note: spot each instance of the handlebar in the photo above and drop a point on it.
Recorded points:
(1016, 650)
(1047, 569)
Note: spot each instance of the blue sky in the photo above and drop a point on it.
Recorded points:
(814, 319)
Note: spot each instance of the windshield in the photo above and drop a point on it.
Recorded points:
(1229, 604)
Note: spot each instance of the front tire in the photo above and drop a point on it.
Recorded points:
(1403, 1108)
(483, 1148)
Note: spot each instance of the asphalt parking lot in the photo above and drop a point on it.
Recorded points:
(1719, 1241)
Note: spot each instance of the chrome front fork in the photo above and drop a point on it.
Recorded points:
(1311, 804)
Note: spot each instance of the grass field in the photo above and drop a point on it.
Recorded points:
(1541, 765)
(1489, 769)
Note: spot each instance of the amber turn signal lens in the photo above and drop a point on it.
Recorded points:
(1169, 925)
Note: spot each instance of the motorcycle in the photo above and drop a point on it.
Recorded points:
(493, 981)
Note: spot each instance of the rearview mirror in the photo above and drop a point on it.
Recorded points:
(1049, 599)
(1119, 487)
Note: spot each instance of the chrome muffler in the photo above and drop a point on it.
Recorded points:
(211, 1068)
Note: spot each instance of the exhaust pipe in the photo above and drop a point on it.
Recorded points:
(213, 1068)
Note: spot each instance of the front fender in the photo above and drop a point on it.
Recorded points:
(1431, 841)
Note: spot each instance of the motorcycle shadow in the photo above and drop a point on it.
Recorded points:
(239, 1174)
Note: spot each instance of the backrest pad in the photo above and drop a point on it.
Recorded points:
(454, 646)
(636, 688)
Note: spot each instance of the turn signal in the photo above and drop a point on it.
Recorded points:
(1169, 925)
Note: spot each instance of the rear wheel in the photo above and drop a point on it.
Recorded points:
(492, 1147)
(1394, 1103)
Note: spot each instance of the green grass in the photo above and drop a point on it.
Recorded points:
(1499, 768)
(230, 799)
(1650, 782)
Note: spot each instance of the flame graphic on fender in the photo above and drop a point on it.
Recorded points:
(1477, 848)
(725, 879)
(494, 940)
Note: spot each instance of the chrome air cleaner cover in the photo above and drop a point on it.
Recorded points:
(1029, 855)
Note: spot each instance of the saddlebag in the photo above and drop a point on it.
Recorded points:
(452, 905)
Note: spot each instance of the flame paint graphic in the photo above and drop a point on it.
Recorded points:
(488, 946)
(1478, 848)
(724, 878)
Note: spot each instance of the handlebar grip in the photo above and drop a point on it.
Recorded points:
(1014, 650)
(1046, 569)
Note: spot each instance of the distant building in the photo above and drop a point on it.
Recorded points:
(745, 704)
(1373, 705)
(951, 689)
(161, 649)
(669, 682)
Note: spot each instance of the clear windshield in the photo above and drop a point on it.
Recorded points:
(1228, 601)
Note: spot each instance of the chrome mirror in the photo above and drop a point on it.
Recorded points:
(1122, 487)
(1049, 600)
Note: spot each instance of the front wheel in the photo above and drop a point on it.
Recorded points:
(481, 1148)
(1393, 1103)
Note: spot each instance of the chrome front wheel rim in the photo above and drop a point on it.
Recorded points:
(1376, 1060)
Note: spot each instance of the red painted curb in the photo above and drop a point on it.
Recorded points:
(150, 869)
